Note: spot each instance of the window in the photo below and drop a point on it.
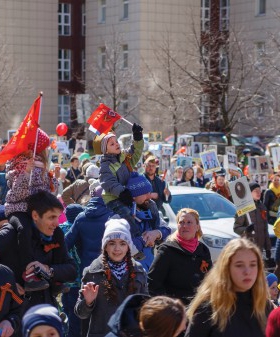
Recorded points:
(205, 109)
(102, 11)
(124, 104)
(223, 62)
(64, 65)
(64, 19)
(260, 102)
(124, 9)
(205, 15)
(83, 65)
(205, 62)
(224, 15)
(102, 57)
(260, 53)
(125, 56)
(63, 109)
(83, 20)
(261, 7)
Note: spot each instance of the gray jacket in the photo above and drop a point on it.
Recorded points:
(102, 309)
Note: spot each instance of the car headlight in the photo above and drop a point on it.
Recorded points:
(215, 241)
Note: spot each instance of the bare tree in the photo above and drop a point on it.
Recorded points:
(220, 79)
(165, 87)
(113, 76)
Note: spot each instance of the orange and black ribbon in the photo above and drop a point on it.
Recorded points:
(6, 288)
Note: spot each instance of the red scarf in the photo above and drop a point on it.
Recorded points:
(189, 245)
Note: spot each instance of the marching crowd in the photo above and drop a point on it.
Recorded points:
(86, 252)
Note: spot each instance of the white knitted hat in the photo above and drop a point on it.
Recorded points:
(117, 229)
(92, 171)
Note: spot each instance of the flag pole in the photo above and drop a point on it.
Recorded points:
(125, 120)
(36, 139)
(40, 109)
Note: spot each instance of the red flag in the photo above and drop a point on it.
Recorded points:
(25, 135)
(102, 119)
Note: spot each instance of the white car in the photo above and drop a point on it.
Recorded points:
(216, 216)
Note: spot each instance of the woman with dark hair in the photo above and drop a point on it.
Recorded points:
(187, 177)
(110, 278)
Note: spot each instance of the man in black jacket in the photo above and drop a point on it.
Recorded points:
(51, 260)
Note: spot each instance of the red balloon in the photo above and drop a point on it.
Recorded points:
(61, 129)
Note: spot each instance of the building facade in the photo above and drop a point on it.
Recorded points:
(168, 65)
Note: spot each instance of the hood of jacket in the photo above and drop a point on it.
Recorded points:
(126, 316)
(96, 208)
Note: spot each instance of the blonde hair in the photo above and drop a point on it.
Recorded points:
(217, 287)
(195, 214)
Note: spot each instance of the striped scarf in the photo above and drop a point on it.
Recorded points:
(118, 268)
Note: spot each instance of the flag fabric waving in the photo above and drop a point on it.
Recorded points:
(102, 119)
(25, 135)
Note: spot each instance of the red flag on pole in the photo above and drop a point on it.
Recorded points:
(102, 119)
(25, 135)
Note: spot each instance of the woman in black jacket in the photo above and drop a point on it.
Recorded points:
(182, 261)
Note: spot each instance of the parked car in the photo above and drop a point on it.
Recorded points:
(220, 139)
(216, 216)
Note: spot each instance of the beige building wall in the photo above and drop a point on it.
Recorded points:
(255, 30)
(149, 21)
(28, 29)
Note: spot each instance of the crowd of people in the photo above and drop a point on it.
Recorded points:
(85, 250)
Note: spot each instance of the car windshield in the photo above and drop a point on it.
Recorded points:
(208, 205)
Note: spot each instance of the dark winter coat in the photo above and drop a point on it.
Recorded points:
(125, 321)
(53, 254)
(102, 309)
(176, 272)
(241, 324)
(269, 200)
(11, 308)
(259, 219)
(87, 231)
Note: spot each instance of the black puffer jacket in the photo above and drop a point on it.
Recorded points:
(176, 272)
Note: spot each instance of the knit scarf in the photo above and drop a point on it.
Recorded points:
(118, 268)
(189, 245)
(275, 190)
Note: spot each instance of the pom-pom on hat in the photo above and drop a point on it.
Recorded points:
(42, 314)
(271, 278)
(72, 211)
(42, 143)
(117, 229)
(253, 186)
(92, 171)
(138, 185)
(273, 323)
